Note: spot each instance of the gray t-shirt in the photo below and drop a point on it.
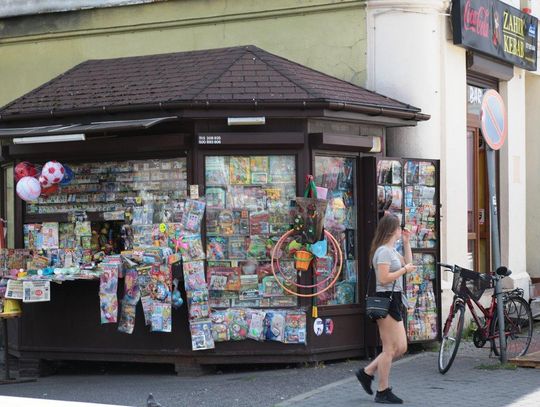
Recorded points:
(386, 255)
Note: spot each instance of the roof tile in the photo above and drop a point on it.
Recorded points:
(228, 74)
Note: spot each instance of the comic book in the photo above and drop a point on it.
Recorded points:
(201, 335)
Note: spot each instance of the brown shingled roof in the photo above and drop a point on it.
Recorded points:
(236, 74)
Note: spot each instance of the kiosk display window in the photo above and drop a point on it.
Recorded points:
(248, 208)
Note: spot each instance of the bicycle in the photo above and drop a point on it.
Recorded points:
(468, 286)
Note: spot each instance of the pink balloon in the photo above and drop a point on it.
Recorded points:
(28, 189)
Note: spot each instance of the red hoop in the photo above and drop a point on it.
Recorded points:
(335, 244)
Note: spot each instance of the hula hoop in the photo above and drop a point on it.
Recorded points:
(339, 252)
(335, 246)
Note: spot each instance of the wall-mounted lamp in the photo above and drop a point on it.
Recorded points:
(246, 121)
(49, 139)
(376, 144)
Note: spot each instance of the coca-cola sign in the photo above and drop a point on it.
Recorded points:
(497, 29)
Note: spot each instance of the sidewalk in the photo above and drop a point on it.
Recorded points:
(417, 381)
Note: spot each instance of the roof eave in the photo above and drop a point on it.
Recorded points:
(413, 114)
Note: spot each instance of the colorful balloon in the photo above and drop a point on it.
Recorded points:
(44, 182)
(68, 175)
(25, 169)
(53, 171)
(28, 189)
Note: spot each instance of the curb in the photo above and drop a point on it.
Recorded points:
(325, 388)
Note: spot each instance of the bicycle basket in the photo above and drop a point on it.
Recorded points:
(474, 285)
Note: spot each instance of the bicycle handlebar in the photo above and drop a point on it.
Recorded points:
(483, 276)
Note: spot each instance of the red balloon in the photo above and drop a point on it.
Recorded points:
(48, 191)
(25, 169)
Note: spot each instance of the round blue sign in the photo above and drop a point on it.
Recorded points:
(494, 123)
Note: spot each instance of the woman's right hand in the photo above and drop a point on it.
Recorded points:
(409, 268)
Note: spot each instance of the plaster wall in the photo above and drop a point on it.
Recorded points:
(533, 170)
(35, 49)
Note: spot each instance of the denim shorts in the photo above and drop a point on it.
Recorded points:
(396, 306)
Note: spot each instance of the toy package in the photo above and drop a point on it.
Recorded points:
(275, 325)
(33, 238)
(282, 168)
(220, 329)
(132, 293)
(237, 247)
(295, 327)
(193, 214)
(256, 325)
(161, 317)
(216, 171)
(258, 223)
(108, 308)
(239, 170)
(216, 197)
(249, 287)
(217, 248)
(127, 318)
(191, 248)
(256, 248)
(147, 306)
(49, 231)
(194, 278)
(201, 335)
(223, 278)
(198, 307)
(238, 324)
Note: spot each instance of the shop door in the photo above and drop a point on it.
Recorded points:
(477, 203)
(337, 174)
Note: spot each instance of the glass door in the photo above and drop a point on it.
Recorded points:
(338, 175)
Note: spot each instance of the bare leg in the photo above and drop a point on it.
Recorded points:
(394, 342)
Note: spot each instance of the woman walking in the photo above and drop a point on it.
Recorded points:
(389, 267)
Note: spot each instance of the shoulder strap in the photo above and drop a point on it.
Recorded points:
(372, 270)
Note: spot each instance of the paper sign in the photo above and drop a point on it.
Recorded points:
(37, 291)
(14, 289)
(194, 191)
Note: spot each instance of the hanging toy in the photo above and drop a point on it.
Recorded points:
(68, 176)
(177, 300)
(44, 182)
(53, 172)
(25, 169)
(28, 189)
(48, 191)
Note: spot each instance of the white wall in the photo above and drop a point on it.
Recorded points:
(411, 58)
(533, 171)
(512, 181)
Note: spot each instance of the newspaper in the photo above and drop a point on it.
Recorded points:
(14, 289)
(37, 291)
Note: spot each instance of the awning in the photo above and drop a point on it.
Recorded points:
(94, 127)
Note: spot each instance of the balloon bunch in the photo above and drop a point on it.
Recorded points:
(34, 181)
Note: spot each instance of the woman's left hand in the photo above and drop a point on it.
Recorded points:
(406, 236)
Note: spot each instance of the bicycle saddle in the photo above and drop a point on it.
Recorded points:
(503, 271)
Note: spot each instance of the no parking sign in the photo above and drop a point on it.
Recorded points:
(494, 122)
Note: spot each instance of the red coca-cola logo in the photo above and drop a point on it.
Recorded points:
(39, 292)
(476, 20)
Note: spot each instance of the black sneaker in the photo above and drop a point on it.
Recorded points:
(365, 380)
(387, 397)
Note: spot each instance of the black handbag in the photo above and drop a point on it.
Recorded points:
(377, 307)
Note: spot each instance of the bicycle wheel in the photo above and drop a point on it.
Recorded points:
(518, 326)
(453, 328)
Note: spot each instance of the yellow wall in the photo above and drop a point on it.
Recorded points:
(329, 36)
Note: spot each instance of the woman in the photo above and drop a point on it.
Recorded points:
(390, 267)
